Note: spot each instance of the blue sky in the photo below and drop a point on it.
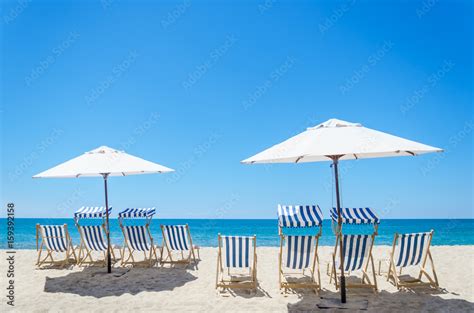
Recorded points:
(199, 86)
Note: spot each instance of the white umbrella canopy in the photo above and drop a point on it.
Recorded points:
(339, 138)
(336, 140)
(103, 160)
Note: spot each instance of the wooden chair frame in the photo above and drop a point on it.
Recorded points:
(313, 283)
(233, 283)
(68, 253)
(365, 280)
(169, 257)
(127, 247)
(85, 253)
(417, 282)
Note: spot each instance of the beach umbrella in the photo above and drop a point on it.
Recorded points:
(336, 140)
(104, 162)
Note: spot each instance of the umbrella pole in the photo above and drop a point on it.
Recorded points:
(339, 223)
(109, 259)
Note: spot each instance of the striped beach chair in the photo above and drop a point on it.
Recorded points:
(236, 262)
(178, 244)
(298, 257)
(357, 251)
(356, 248)
(137, 238)
(92, 236)
(54, 239)
(412, 250)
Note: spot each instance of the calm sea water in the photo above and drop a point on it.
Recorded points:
(204, 231)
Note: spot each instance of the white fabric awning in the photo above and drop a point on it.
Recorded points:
(339, 138)
(103, 160)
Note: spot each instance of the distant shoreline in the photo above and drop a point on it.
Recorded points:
(449, 232)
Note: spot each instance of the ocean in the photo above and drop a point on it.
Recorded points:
(204, 231)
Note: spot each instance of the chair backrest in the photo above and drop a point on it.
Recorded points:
(137, 237)
(136, 213)
(176, 237)
(93, 238)
(237, 251)
(55, 237)
(91, 212)
(298, 251)
(355, 216)
(411, 248)
(293, 216)
(356, 250)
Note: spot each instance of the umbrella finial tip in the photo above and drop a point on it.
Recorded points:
(334, 122)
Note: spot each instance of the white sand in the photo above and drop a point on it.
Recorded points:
(192, 290)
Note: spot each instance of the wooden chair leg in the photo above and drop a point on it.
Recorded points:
(131, 256)
(319, 275)
(112, 254)
(334, 272)
(73, 252)
(123, 260)
(373, 273)
(48, 255)
(90, 256)
(40, 262)
(82, 259)
(150, 256)
(389, 271)
(79, 255)
(433, 270)
(39, 254)
(433, 280)
(217, 271)
(194, 256)
(396, 279)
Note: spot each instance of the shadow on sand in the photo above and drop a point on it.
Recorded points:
(244, 293)
(411, 300)
(94, 282)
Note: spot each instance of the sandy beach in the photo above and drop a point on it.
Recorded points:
(192, 290)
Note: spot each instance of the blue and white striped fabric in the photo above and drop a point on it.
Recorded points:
(137, 213)
(91, 212)
(356, 216)
(299, 216)
(237, 251)
(411, 248)
(54, 237)
(177, 237)
(137, 237)
(93, 238)
(298, 251)
(356, 249)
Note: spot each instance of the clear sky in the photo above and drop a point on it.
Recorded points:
(199, 86)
